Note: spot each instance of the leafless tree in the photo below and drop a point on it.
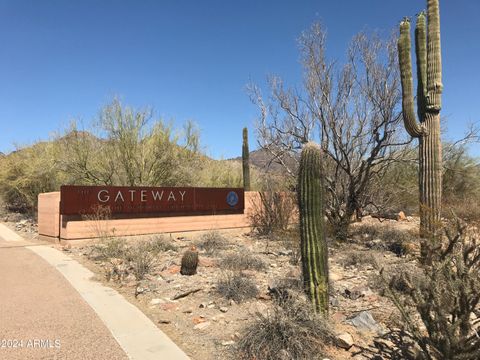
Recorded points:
(351, 110)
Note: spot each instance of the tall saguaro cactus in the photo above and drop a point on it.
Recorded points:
(429, 103)
(313, 244)
(245, 161)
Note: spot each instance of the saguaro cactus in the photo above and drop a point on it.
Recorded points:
(245, 161)
(429, 93)
(314, 249)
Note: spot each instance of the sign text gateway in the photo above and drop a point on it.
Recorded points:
(82, 200)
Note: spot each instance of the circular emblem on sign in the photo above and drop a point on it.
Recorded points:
(232, 198)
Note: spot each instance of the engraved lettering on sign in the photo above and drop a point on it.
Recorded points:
(103, 198)
(157, 195)
(119, 196)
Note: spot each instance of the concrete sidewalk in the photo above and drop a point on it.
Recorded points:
(50, 309)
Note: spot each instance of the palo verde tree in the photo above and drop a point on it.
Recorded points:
(429, 104)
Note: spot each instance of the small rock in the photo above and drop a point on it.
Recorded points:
(286, 252)
(284, 355)
(384, 344)
(334, 302)
(264, 297)
(365, 321)
(223, 309)
(344, 340)
(352, 294)
(335, 276)
(164, 321)
(232, 302)
(198, 320)
(202, 305)
(139, 290)
(157, 301)
(202, 325)
(273, 265)
(168, 306)
(228, 343)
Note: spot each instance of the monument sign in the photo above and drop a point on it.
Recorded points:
(83, 200)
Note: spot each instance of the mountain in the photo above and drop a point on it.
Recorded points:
(264, 160)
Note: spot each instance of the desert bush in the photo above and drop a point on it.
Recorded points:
(158, 244)
(236, 287)
(290, 330)
(110, 249)
(142, 260)
(446, 301)
(25, 173)
(273, 212)
(290, 239)
(365, 231)
(242, 261)
(357, 258)
(386, 238)
(212, 242)
(99, 222)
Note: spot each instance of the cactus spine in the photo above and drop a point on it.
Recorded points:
(312, 230)
(427, 130)
(245, 161)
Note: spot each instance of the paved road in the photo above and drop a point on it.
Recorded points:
(43, 315)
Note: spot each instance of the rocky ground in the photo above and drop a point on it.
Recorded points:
(207, 322)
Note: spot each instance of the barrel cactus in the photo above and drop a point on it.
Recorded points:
(429, 104)
(189, 262)
(313, 244)
(245, 161)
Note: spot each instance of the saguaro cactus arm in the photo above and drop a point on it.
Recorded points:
(421, 53)
(434, 58)
(411, 125)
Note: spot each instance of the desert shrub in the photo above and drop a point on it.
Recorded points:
(142, 260)
(365, 231)
(387, 238)
(99, 222)
(290, 239)
(357, 258)
(26, 173)
(236, 287)
(272, 212)
(242, 261)
(446, 301)
(212, 242)
(158, 244)
(290, 330)
(111, 249)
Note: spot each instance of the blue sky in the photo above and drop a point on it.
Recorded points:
(65, 59)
